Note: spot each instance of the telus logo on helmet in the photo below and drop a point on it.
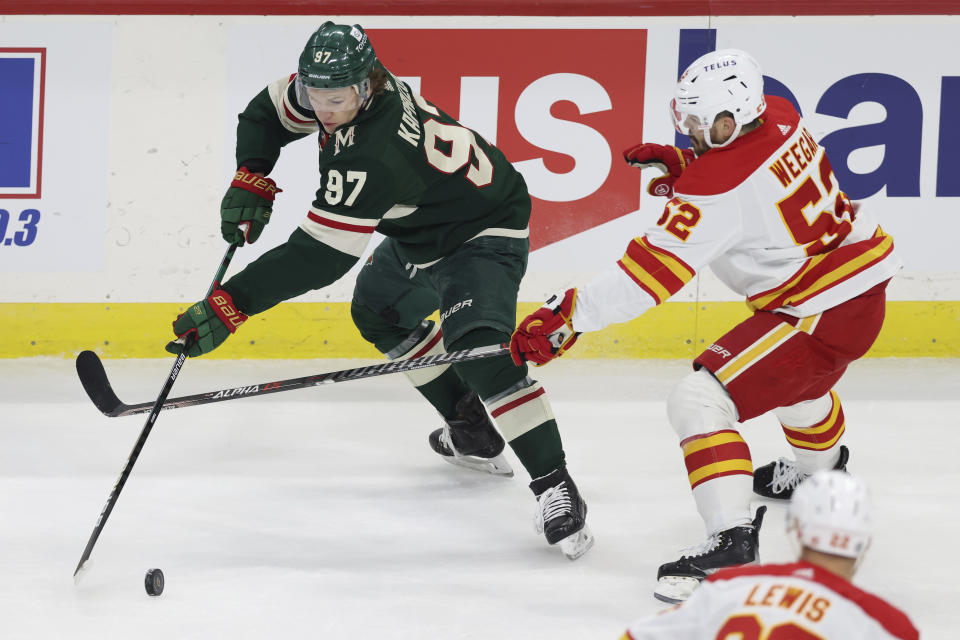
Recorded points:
(720, 65)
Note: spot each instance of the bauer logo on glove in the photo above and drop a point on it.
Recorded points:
(226, 311)
(206, 324)
(546, 333)
(246, 207)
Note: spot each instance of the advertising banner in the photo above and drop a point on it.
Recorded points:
(563, 103)
(54, 136)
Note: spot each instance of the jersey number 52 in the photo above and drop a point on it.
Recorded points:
(819, 228)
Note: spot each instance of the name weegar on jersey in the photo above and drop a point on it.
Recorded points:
(767, 215)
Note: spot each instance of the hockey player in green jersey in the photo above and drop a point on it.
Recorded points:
(455, 214)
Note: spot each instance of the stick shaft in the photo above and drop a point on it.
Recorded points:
(145, 432)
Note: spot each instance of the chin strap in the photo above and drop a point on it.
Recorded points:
(733, 136)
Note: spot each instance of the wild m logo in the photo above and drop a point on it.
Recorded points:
(343, 139)
(22, 73)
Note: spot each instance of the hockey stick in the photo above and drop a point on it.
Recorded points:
(95, 381)
(154, 412)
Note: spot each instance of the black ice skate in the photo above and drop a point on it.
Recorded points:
(778, 479)
(729, 548)
(470, 439)
(561, 513)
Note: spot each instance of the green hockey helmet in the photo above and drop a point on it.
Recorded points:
(336, 56)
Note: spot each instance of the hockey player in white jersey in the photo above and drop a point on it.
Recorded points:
(760, 205)
(829, 520)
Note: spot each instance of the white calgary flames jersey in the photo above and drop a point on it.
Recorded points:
(767, 215)
(797, 601)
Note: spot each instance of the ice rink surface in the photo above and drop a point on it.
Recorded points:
(323, 513)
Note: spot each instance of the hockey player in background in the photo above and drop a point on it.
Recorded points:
(757, 201)
(455, 214)
(829, 522)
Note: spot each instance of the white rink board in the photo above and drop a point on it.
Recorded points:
(154, 126)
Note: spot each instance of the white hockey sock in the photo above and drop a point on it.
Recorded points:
(520, 408)
(720, 472)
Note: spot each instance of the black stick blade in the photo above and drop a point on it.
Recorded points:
(95, 382)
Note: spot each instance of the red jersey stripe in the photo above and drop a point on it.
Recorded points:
(822, 272)
(327, 222)
(657, 297)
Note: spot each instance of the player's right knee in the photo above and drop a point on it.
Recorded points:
(699, 404)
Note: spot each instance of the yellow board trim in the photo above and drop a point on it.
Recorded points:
(913, 329)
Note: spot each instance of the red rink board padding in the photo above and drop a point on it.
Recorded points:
(618, 125)
(483, 7)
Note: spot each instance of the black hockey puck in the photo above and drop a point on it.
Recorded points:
(154, 582)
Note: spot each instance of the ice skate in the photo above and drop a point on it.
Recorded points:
(470, 440)
(561, 513)
(778, 479)
(729, 548)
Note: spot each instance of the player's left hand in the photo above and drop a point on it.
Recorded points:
(246, 207)
(669, 159)
(210, 322)
(546, 333)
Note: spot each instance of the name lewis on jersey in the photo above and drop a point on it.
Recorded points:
(409, 123)
(786, 596)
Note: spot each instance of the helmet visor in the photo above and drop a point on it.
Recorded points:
(685, 123)
(329, 100)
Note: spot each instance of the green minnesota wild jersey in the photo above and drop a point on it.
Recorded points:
(402, 167)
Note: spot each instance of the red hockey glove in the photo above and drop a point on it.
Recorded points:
(246, 207)
(669, 159)
(547, 332)
(211, 321)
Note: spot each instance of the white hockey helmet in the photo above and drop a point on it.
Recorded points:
(830, 512)
(723, 80)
